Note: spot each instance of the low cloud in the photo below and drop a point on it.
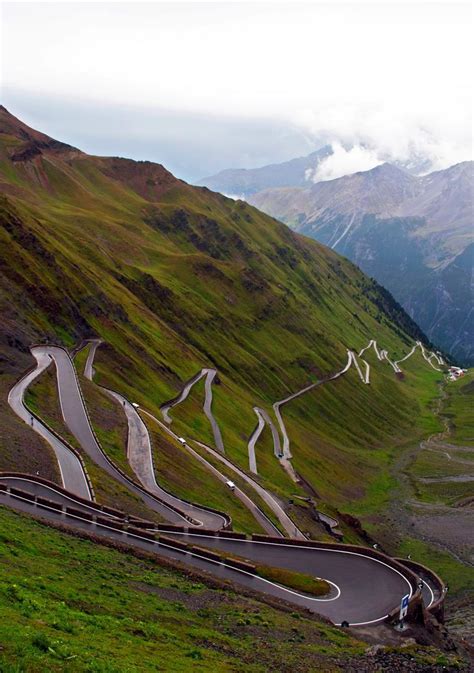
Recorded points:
(343, 161)
(363, 135)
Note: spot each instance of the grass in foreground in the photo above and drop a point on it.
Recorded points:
(71, 605)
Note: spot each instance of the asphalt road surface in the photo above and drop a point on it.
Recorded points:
(210, 375)
(140, 458)
(270, 500)
(363, 590)
(258, 514)
(76, 419)
(70, 467)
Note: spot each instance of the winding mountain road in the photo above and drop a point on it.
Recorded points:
(364, 588)
(71, 470)
(365, 585)
(210, 375)
(253, 439)
(288, 525)
(140, 457)
(76, 418)
(282, 449)
(427, 357)
(263, 419)
(284, 454)
(89, 366)
(258, 514)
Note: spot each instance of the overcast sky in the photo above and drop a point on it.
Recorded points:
(202, 86)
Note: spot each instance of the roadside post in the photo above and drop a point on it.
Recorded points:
(403, 612)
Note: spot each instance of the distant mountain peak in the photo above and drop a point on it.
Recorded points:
(388, 169)
(385, 172)
(244, 182)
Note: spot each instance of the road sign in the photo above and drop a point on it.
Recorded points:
(404, 606)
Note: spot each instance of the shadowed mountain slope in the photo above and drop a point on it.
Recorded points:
(403, 230)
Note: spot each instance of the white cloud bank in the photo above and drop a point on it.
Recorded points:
(422, 136)
(344, 161)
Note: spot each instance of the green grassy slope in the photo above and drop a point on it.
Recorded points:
(174, 278)
(459, 409)
(425, 505)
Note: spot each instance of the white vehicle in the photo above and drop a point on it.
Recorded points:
(230, 484)
(134, 404)
(181, 440)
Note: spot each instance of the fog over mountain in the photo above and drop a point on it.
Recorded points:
(329, 162)
(242, 182)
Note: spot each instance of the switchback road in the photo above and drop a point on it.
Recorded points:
(365, 587)
(140, 458)
(76, 418)
(209, 375)
(72, 473)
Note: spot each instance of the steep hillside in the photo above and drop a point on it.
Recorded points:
(403, 230)
(175, 278)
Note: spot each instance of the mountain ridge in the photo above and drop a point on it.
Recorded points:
(242, 182)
